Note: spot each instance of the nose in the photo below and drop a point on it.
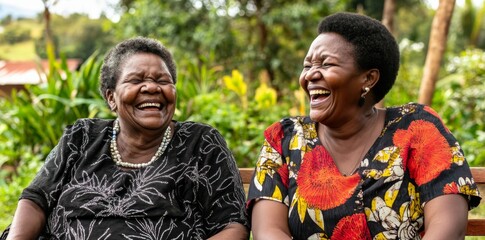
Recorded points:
(151, 87)
(313, 74)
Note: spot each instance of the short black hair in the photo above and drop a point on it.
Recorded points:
(111, 69)
(374, 46)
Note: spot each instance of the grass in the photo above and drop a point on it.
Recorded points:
(25, 50)
(18, 52)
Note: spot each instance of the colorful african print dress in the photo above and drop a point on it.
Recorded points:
(191, 192)
(415, 159)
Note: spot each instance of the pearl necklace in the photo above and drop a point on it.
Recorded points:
(117, 156)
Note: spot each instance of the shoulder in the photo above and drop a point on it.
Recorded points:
(195, 130)
(196, 135)
(92, 123)
(418, 117)
(415, 111)
(89, 126)
(289, 122)
(287, 126)
(194, 126)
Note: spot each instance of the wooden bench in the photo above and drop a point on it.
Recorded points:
(476, 226)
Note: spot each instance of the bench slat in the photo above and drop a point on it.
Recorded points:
(476, 227)
(246, 174)
(478, 174)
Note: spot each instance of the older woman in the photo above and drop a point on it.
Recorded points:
(141, 176)
(350, 170)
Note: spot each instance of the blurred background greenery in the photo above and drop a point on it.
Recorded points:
(238, 63)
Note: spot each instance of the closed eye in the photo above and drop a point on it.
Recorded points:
(135, 81)
(164, 81)
(307, 64)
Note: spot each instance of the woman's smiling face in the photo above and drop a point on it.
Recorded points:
(332, 79)
(145, 95)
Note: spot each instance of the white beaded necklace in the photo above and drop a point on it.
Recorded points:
(116, 154)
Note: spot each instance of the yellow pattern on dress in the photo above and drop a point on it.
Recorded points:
(277, 193)
(457, 156)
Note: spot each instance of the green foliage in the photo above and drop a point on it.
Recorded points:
(12, 34)
(406, 87)
(241, 35)
(76, 36)
(11, 185)
(228, 104)
(471, 23)
(36, 117)
(33, 121)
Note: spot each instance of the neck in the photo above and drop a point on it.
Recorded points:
(359, 125)
(348, 148)
(137, 140)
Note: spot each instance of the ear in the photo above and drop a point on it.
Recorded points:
(372, 76)
(111, 100)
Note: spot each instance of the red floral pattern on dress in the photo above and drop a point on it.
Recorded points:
(274, 134)
(425, 149)
(284, 174)
(451, 188)
(353, 227)
(321, 184)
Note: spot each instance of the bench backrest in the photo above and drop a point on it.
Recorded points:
(476, 226)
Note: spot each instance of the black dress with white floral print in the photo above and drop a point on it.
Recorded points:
(191, 192)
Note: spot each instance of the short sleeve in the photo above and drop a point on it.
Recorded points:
(47, 185)
(270, 179)
(435, 159)
(220, 190)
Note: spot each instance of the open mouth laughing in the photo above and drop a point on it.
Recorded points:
(150, 106)
(318, 95)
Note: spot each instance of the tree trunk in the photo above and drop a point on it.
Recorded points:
(436, 49)
(388, 21)
(263, 38)
(388, 15)
(50, 48)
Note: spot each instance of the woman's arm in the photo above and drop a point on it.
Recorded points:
(446, 217)
(28, 221)
(270, 220)
(234, 231)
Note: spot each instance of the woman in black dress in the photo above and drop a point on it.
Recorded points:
(140, 176)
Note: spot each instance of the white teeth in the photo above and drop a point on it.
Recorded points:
(319, 91)
(149, 105)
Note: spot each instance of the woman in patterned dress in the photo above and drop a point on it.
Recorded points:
(350, 170)
(141, 176)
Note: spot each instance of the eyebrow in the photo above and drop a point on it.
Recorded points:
(322, 56)
(157, 74)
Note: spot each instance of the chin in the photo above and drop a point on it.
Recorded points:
(314, 116)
